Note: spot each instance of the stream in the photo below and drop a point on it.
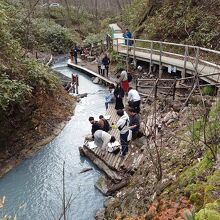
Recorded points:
(33, 190)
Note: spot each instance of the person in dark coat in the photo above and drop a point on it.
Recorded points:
(95, 125)
(106, 62)
(75, 54)
(119, 95)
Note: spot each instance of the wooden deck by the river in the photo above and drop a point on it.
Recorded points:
(113, 165)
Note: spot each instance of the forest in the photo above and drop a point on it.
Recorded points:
(33, 101)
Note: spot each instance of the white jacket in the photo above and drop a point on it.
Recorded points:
(123, 124)
(101, 139)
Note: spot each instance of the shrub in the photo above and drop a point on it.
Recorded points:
(208, 90)
(12, 92)
(38, 76)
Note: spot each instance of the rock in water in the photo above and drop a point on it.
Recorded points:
(83, 95)
(96, 80)
(101, 185)
(100, 214)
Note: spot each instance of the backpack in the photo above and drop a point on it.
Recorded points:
(129, 77)
(106, 126)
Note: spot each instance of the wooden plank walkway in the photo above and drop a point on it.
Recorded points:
(115, 166)
(90, 72)
(167, 61)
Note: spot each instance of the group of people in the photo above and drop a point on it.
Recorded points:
(128, 126)
(129, 121)
(116, 94)
(103, 64)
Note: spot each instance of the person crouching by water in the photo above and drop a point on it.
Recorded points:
(110, 97)
(101, 139)
(104, 125)
(95, 127)
(125, 133)
(119, 95)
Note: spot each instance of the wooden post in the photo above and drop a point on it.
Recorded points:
(174, 89)
(197, 60)
(117, 45)
(160, 66)
(134, 48)
(185, 60)
(151, 54)
(155, 91)
(127, 56)
(136, 84)
(77, 84)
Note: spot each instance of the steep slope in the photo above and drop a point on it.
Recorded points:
(183, 21)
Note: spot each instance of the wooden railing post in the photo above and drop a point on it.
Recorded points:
(151, 54)
(127, 57)
(174, 89)
(160, 66)
(134, 48)
(197, 60)
(185, 61)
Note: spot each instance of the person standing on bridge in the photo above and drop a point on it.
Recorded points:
(127, 35)
(106, 62)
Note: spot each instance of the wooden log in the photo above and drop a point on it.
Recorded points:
(114, 176)
(117, 187)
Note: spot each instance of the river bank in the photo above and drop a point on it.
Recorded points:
(41, 126)
(32, 189)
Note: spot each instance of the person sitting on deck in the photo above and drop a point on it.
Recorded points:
(110, 97)
(102, 138)
(95, 127)
(125, 133)
(104, 125)
(134, 99)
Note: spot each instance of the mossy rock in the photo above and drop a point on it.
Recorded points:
(210, 212)
(197, 200)
(191, 174)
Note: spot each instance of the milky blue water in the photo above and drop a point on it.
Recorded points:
(33, 189)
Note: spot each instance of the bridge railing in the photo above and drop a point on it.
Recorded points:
(185, 53)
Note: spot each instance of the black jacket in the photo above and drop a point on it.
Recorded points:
(106, 61)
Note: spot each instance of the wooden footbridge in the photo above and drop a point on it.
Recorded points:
(187, 59)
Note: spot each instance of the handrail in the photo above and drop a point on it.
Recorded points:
(173, 44)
